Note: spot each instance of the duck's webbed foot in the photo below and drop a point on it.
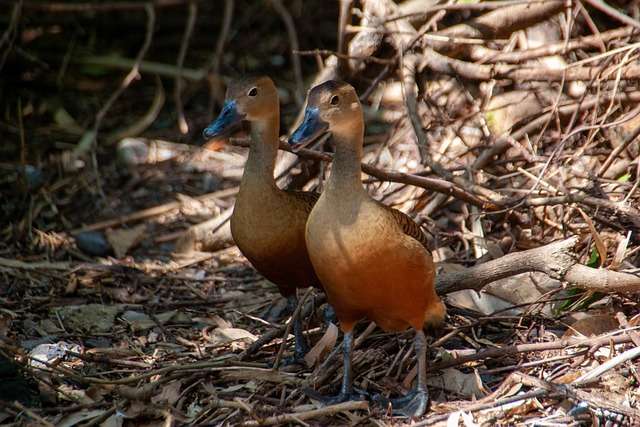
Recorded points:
(414, 404)
(347, 392)
(300, 350)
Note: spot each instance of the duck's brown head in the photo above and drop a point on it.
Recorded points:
(333, 107)
(253, 99)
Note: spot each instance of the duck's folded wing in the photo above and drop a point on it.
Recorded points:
(308, 198)
(409, 226)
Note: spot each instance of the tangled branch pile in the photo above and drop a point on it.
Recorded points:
(528, 109)
(508, 129)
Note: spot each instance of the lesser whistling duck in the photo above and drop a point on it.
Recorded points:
(372, 260)
(267, 223)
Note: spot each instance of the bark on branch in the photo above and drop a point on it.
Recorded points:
(468, 70)
(558, 260)
(497, 23)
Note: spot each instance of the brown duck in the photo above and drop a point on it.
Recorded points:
(267, 223)
(372, 260)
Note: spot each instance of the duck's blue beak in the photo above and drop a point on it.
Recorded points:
(311, 128)
(227, 122)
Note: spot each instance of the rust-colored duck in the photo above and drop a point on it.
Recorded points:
(267, 223)
(372, 260)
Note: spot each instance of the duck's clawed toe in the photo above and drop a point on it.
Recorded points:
(279, 311)
(296, 359)
(414, 404)
(333, 400)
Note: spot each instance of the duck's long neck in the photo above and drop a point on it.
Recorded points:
(258, 171)
(345, 173)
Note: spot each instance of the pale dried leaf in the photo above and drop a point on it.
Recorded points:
(70, 393)
(219, 322)
(123, 239)
(44, 355)
(481, 302)
(618, 257)
(457, 382)
(454, 419)
(525, 288)
(323, 346)
(467, 419)
(233, 334)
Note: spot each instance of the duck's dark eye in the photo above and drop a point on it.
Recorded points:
(253, 91)
(334, 100)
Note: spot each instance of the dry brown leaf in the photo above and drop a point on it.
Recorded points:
(129, 295)
(219, 322)
(99, 391)
(600, 245)
(591, 325)
(234, 334)
(169, 394)
(137, 394)
(123, 239)
(523, 408)
(79, 417)
(323, 346)
(569, 377)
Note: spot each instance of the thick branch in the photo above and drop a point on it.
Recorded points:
(486, 55)
(557, 260)
(599, 279)
(554, 259)
(504, 21)
(468, 70)
(498, 23)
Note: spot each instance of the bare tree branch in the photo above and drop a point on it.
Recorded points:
(557, 260)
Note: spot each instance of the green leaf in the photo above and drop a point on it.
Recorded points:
(594, 259)
(624, 178)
